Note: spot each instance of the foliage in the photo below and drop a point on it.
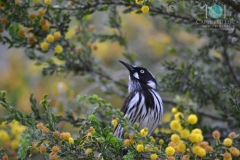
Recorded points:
(206, 77)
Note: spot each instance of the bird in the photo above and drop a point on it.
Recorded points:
(143, 103)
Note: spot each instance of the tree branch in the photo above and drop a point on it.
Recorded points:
(234, 5)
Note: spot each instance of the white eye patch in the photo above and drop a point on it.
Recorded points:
(136, 75)
(142, 71)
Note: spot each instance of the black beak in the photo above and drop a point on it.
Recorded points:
(128, 66)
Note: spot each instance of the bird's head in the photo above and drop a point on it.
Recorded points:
(139, 78)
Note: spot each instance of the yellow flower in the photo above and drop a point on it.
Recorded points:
(58, 49)
(41, 11)
(57, 35)
(4, 136)
(139, 1)
(44, 46)
(174, 110)
(89, 150)
(70, 140)
(127, 142)
(197, 131)
(192, 119)
(175, 125)
(143, 132)
(234, 151)
(145, 9)
(185, 133)
(195, 138)
(47, 2)
(227, 142)
(17, 130)
(170, 151)
(14, 143)
(50, 38)
(181, 147)
(201, 152)
(175, 138)
(147, 149)
(161, 141)
(140, 148)
(178, 115)
(114, 123)
(154, 156)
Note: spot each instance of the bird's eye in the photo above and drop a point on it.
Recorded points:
(142, 71)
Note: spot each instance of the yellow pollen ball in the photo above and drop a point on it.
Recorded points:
(178, 116)
(174, 110)
(227, 142)
(195, 138)
(154, 156)
(185, 133)
(170, 151)
(47, 2)
(192, 119)
(181, 147)
(175, 125)
(88, 151)
(139, 2)
(71, 140)
(197, 131)
(145, 9)
(41, 11)
(140, 148)
(44, 46)
(57, 35)
(234, 151)
(58, 49)
(50, 38)
(114, 123)
(175, 138)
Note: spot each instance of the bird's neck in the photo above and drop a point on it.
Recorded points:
(135, 85)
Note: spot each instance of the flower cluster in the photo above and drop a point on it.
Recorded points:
(189, 141)
(10, 136)
(145, 8)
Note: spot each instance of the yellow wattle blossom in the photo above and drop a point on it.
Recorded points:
(227, 142)
(178, 116)
(41, 11)
(57, 35)
(181, 147)
(71, 140)
(140, 148)
(44, 46)
(175, 138)
(154, 156)
(145, 9)
(195, 138)
(48, 2)
(139, 2)
(184, 133)
(14, 144)
(174, 110)
(192, 119)
(114, 123)
(88, 151)
(58, 49)
(143, 132)
(197, 131)
(175, 125)
(161, 141)
(50, 38)
(127, 142)
(234, 151)
(170, 151)
(201, 152)
(4, 136)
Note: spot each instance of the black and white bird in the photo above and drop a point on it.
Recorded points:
(143, 104)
